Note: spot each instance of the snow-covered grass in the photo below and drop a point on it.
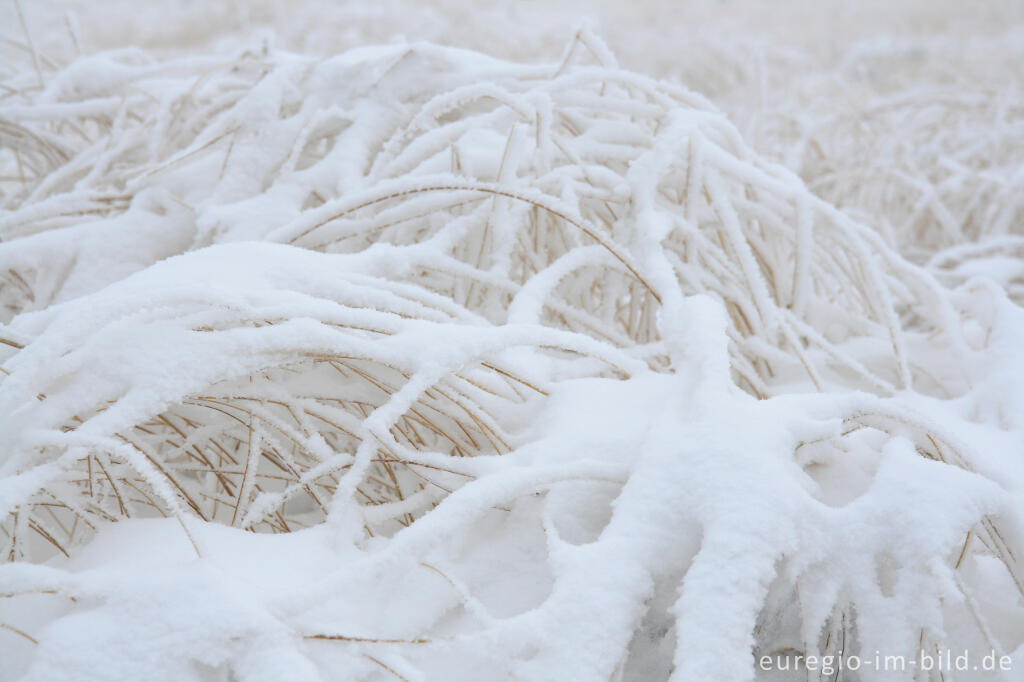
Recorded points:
(407, 362)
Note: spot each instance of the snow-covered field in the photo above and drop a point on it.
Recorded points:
(540, 341)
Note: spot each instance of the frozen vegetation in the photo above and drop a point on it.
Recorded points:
(476, 353)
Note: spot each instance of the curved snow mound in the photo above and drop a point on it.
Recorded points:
(523, 372)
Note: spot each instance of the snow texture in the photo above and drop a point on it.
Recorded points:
(403, 361)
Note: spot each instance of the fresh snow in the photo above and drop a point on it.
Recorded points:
(494, 351)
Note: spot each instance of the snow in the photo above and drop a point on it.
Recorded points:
(483, 355)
